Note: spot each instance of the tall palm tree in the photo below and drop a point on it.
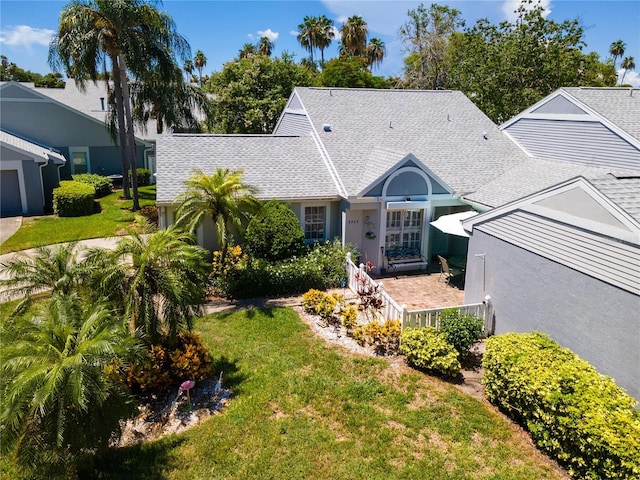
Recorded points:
(324, 35)
(200, 61)
(375, 52)
(56, 269)
(627, 64)
(265, 46)
(354, 34)
(56, 398)
(223, 196)
(617, 50)
(308, 34)
(160, 279)
(131, 35)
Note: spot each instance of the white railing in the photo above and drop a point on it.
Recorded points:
(358, 278)
(432, 316)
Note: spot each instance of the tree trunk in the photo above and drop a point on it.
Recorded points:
(130, 136)
(122, 137)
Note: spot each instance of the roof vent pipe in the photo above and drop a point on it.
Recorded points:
(326, 127)
(102, 103)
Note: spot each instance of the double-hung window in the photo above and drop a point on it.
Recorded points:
(314, 223)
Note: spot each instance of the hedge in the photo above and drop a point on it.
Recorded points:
(428, 349)
(143, 176)
(578, 416)
(103, 185)
(73, 199)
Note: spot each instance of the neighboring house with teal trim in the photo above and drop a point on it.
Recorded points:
(28, 175)
(69, 122)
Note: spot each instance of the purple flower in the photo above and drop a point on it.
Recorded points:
(186, 386)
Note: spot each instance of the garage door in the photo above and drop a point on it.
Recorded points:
(10, 203)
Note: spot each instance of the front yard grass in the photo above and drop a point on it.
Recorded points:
(302, 409)
(115, 216)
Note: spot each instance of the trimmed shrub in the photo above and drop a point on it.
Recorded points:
(460, 330)
(274, 233)
(103, 185)
(150, 212)
(578, 416)
(426, 348)
(143, 175)
(73, 199)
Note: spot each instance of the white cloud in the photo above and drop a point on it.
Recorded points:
(293, 33)
(26, 36)
(272, 36)
(509, 8)
(630, 78)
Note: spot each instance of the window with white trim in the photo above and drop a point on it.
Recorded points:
(79, 160)
(314, 223)
(404, 229)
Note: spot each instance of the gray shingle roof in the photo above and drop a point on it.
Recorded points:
(40, 151)
(285, 168)
(88, 102)
(442, 129)
(535, 175)
(621, 189)
(618, 105)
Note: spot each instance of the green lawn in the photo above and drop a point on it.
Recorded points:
(301, 409)
(115, 216)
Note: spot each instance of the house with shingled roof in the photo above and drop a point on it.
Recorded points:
(556, 246)
(68, 122)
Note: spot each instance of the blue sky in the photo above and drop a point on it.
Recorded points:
(221, 28)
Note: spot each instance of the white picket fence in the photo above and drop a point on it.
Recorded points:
(358, 278)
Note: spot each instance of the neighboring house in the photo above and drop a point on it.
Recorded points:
(28, 174)
(561, 252)
(66, 121)
(372, 167)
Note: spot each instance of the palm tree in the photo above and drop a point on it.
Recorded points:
(131, 35)
(223, 197)
(324, 35)
(375, 52)
(170, 102)
(354, 34)
(55, 269)
(200, 61)
(265, 46)
(56, 399)
(246, 50)
(627, 64)
(188, 68)
(617, 50)
(308, 34)
(159, 278)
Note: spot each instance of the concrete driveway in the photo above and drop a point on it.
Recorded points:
(9, 226)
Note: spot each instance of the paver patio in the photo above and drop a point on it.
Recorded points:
(422, 290)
